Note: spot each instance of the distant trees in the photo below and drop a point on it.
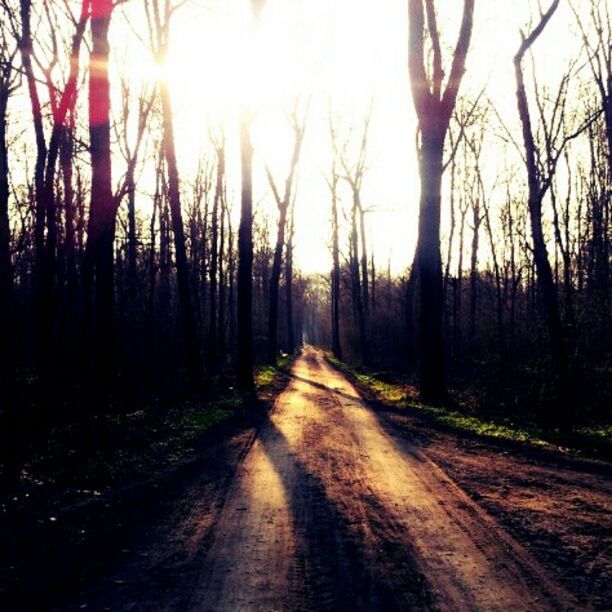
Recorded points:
(434, 106)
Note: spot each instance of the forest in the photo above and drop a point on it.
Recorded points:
(203, 204)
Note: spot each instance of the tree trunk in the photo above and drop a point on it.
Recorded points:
(42, 327)
(335, 280)
(289, 288)
(545, 281)
(364, 265)
(433, 385)
(6, 278)
(214, 259)
(182, 269)
(434, 106)
(274, 283)
(101, 233)
(356, 283)
(474, 272)
(132, 241)
(245, 265)
(222, 286)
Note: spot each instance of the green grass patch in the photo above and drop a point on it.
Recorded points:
(266, 375)
(594, 440)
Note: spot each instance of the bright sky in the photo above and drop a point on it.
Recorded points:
(346, 51)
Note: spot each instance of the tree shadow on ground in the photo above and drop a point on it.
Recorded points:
(335, 568)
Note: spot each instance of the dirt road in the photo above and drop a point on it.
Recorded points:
(328, 510)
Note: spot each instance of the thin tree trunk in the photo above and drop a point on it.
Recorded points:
(289, 287)
(182, 269)
(356, 282)
(43, 331)
(214, 259)
(274, 286)
(222, 283)
(545, 281)
(6, 277)
(245, 265)
(335, 284)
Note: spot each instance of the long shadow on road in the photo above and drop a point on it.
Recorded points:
(335, 567)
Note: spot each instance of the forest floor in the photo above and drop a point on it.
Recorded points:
(329, 502)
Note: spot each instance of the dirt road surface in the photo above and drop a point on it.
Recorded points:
(327, 503)
(327, 510)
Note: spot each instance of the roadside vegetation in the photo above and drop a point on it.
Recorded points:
(119, 450)
(468, 417)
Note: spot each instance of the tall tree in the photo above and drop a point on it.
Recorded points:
(217, 210)
(289, 278)
(283, 200)
(434, 106)
(9, 82)
(332, 181)
(102, 218)
(353, 175)
(244, 361)
(159, 25)
(538, 185)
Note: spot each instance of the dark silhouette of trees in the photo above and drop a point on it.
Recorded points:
(540, 178)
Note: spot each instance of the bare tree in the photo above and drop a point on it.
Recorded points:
(159, 19)
(434, 106)
(283, 200)
(9, 82)
(598, 44)
(244, 361)
(217, 211)
(538, 184)
(332, 181)
(353, 174)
